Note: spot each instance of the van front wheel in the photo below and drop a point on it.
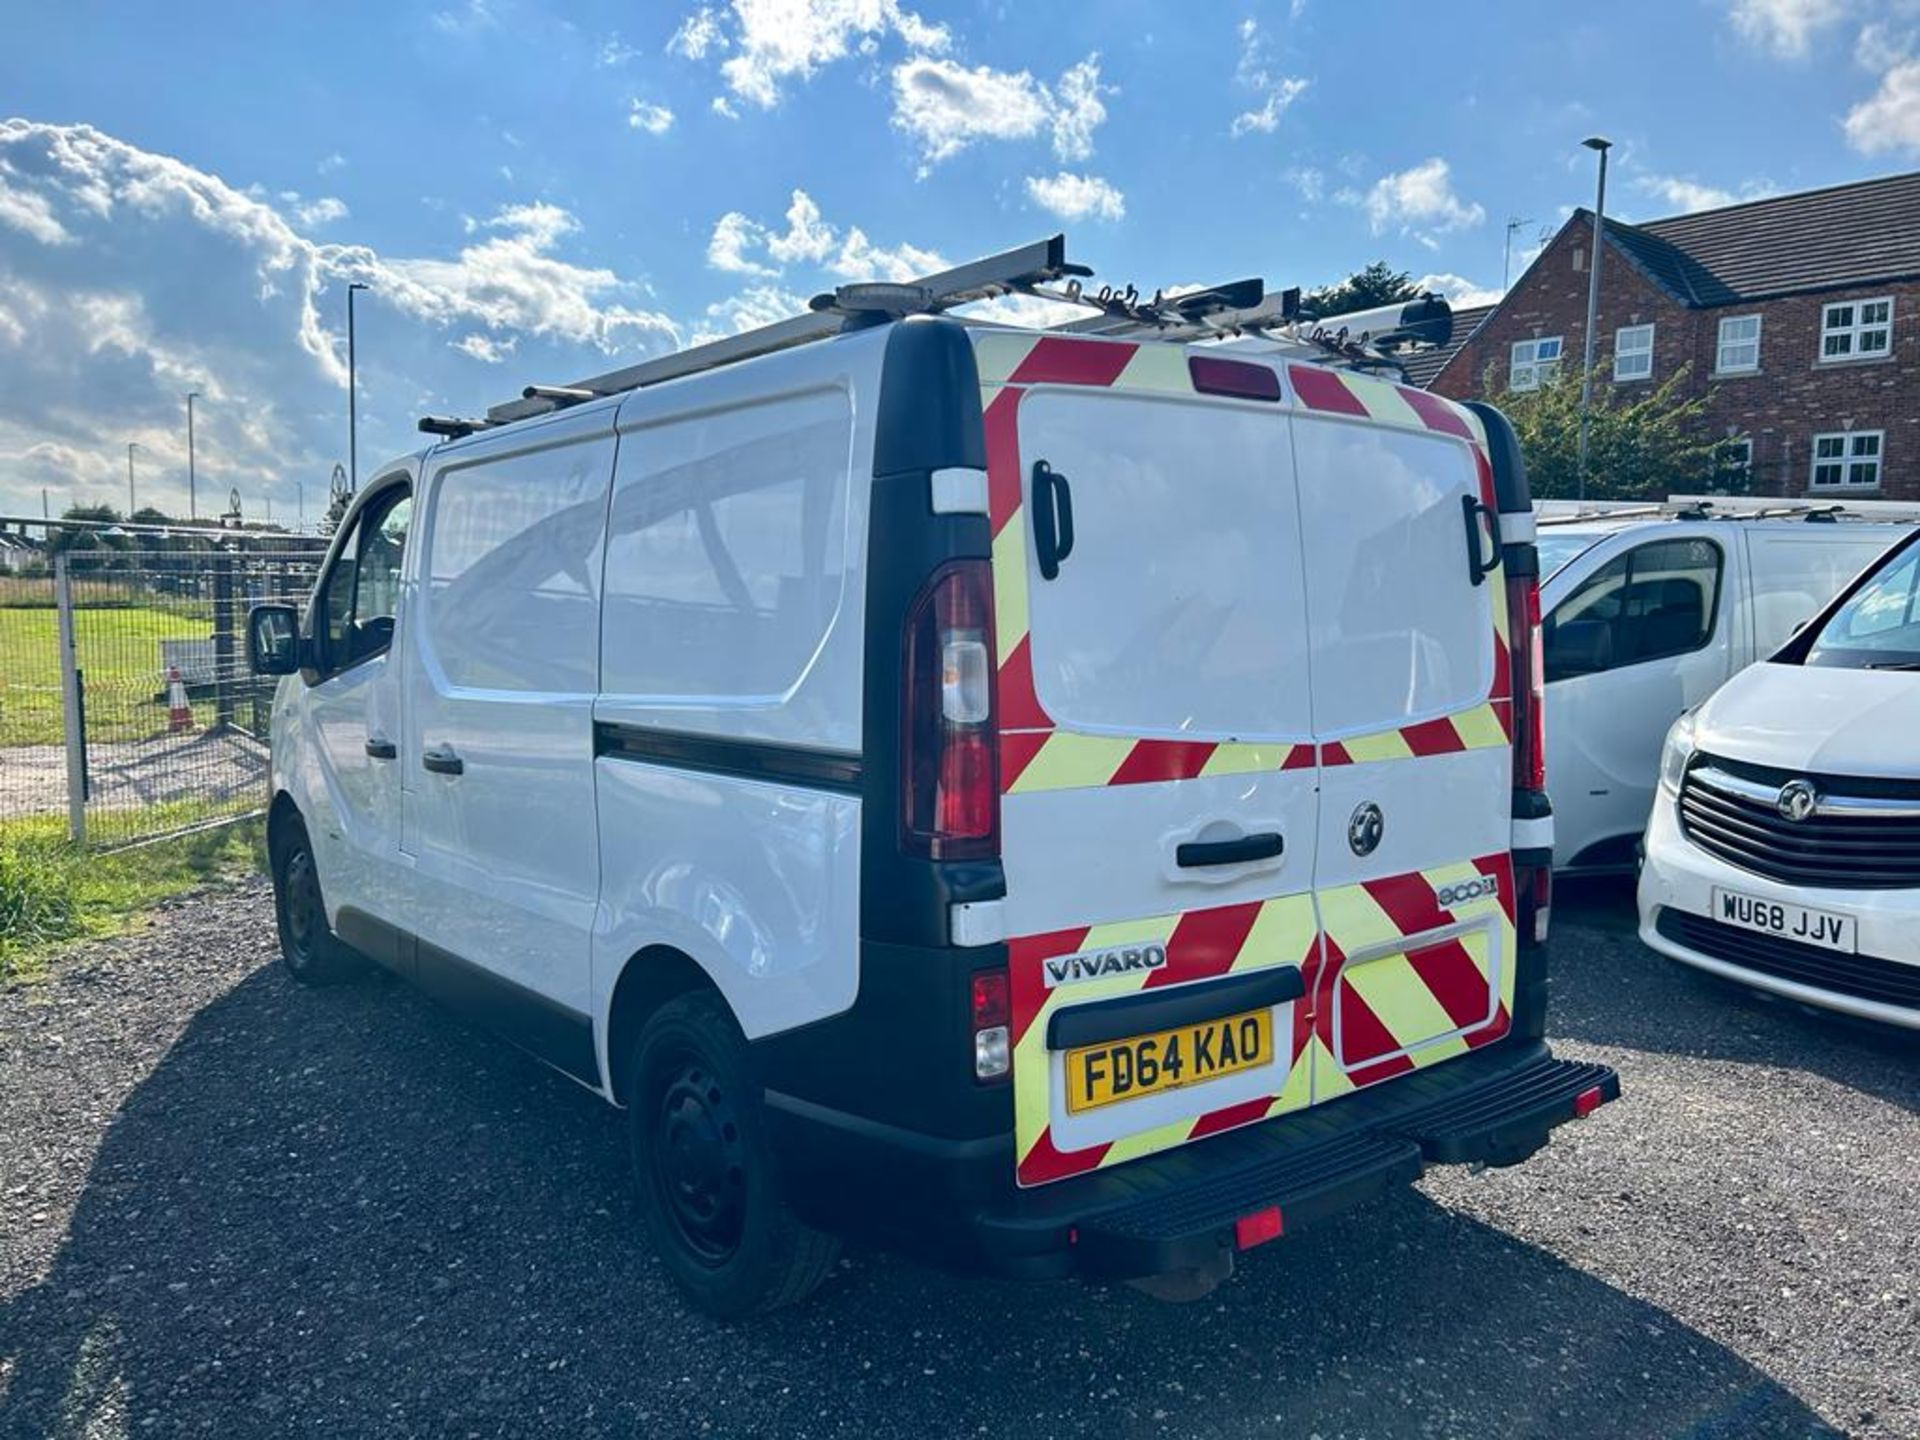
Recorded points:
(708, 1186)
(314, 955)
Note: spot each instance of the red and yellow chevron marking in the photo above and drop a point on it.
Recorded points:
(1034, 754)
(1376, 1007)
(1381, 1007)
(1201, 944)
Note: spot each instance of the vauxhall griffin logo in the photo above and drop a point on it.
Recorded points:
(1365, 828)
(1096, 964)
(1797, 800)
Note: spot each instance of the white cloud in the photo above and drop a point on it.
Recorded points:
(475, 15)
(744, 246)
(1075, 197)
(1458, 291)
(1420, 201)
(1078, 111)
(1785, 27)
(654, 119)
(172, 279)
(1309, 181)
(484, 347)
(1254, 71)
(946, 107)
(613, 53)
(769, 42)
(698, 33)
(752, 308)
(29, 212)
(1889, 119)
(1688, 196)
(323, 211)
(331, 162)
(733, 235)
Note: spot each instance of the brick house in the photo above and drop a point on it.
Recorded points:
(1798, 316)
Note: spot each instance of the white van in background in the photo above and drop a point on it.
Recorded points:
(1650, 609)
(1061, 803)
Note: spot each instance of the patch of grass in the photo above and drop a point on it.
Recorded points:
(52, 892)
(118, 648)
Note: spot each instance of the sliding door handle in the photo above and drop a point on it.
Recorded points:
(378, 749)
(442, 760)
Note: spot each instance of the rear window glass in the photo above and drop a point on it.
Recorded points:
(1179, 611)
(1400, 632)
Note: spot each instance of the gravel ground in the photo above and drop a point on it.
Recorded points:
(230, 1206)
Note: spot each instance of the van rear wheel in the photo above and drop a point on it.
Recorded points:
(709, 1189)
(312, 953)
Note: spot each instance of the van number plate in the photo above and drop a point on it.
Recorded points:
(1116, 1070)
(1824, 928)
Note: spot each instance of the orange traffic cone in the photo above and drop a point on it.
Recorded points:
(179, 712)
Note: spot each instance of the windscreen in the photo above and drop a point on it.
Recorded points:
(1558, 547)
(1878, 628)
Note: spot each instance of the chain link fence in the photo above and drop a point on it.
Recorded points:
(126, 704)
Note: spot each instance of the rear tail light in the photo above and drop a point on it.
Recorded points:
(1542, 890)
(1529, 686)
(950, 771)
(992, 1016)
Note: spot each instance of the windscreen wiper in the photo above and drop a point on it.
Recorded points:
(1892, 665)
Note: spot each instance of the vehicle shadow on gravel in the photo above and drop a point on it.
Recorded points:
(1616, 991)
(344, 1213)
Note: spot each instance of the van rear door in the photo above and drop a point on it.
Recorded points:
(1413, 717)
(1159, 810)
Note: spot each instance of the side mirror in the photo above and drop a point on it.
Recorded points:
(273, 639)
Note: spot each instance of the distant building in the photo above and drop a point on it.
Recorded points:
(1799, 318)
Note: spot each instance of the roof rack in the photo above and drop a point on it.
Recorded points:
(1364, 339)
(1727, 507)
(851, 307)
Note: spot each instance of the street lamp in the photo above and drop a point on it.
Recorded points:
(353, 418)
(1600, 146)
(193, 510)
(132, 445)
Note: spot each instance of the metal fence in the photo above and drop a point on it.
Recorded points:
(127, 710)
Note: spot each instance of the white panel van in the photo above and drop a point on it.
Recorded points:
(1055, 804)
(1647, 615)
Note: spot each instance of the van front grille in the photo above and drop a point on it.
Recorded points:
(1864, 834)
(1865, 977)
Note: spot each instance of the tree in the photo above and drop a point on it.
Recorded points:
(1378, 284)
(1641, 445)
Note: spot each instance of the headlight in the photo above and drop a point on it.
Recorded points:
(1675, 754)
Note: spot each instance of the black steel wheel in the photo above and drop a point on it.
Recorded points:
(709, 1183)
(312, 953)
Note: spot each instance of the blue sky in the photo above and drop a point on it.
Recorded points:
(537, 191)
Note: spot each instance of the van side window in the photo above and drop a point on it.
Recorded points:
(726, 555)
(362, 591)
(1656, 601)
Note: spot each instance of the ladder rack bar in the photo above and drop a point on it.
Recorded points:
(1012, 271)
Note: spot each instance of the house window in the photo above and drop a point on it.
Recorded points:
(1739, 345)
(1533, 362)
(1847, 460)
(1733, 466)
(1633, 352)
(1856, 329)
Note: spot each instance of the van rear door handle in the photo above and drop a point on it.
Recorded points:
(1263, 845)
(441, 760)
(378, 749)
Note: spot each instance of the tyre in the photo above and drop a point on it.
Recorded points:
(709, 1189)
(312, 953)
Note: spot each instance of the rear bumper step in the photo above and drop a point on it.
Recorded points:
(1179, 1209)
